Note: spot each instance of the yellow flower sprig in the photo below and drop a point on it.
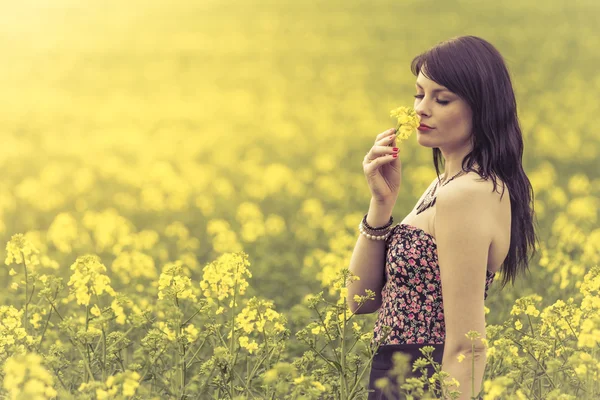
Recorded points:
(407, 121)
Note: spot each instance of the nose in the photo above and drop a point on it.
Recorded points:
(422, 109)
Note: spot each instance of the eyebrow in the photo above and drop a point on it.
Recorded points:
(434, 90)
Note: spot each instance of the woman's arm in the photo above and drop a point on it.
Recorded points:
(464, 226)
(368, 261)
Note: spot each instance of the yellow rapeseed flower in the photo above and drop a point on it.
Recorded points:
(63, 232)
(245, 342)
(168, 332)
(89, 277)
(26, 378)
(407, 119)
(220, 277)
(19, 249)
(518, 325)
(13, 336)
(173, 282)
(119, 312)
(130, 265)
(191, 332)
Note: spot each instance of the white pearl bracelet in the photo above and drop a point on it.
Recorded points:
(372, 237)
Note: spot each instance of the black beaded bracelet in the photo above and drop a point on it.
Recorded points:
(381, 228)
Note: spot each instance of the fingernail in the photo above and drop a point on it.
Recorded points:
(395, 149)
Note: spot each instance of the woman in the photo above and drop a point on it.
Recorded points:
(462, 231)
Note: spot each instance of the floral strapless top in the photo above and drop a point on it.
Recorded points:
(412, 295)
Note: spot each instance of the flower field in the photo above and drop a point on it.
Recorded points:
(182, 184)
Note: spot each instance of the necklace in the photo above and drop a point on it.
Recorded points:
(429, 199)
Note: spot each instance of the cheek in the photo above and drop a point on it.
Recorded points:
(457, 120)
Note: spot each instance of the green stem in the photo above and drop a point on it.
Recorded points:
(337, 358)
(103, 340)
(87, 350)
(181, 353)
(189, 364)
(190, 318)
(472, 368)
(537, 362)
(120, 339)
(26, 322)
(233, 370)
(44, 331)
(233, 328)
(343, 383)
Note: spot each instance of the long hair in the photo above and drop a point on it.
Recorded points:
(473, 69)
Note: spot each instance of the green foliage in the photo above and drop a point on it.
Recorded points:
(181, 193)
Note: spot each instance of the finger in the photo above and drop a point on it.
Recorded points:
(384, 134)
(378, 152)
(370, 167)
(387, 140)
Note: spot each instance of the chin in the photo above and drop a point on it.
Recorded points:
(423, 142)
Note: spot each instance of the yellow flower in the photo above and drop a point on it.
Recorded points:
(531, 310)
(343, 295)
(317, 330)
(95, 310)
(131, 265)
(26, 378)
(119, 312)
(35, 320)
(518, 325)
(191, 332)
(223, 275)
(255, 315)
(245, 343)
(173, 283)
(251, 347)
(12, 334)
(171, 336)
(63, 232)
(407, 120)
(19, 249)
(581, 370)
(131, 383)
(270, 376)
(495, 389)
(460, 357)
(88, 278)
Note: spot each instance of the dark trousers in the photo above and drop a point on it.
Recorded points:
(383, 362)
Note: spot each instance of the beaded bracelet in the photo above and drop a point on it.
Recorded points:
(381, 228)
(369, 231)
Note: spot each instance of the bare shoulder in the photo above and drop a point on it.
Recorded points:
(496, 203)
(471, 182)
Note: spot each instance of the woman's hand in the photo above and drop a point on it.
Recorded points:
(382, 170)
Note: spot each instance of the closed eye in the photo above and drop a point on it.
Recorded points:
(442, 102)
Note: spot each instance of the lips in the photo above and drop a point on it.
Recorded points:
(425, 126)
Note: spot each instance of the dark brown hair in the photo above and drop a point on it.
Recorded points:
(474, 70)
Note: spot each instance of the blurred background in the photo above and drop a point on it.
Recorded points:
(228, 125)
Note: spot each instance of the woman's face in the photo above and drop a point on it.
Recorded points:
(446, 112)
